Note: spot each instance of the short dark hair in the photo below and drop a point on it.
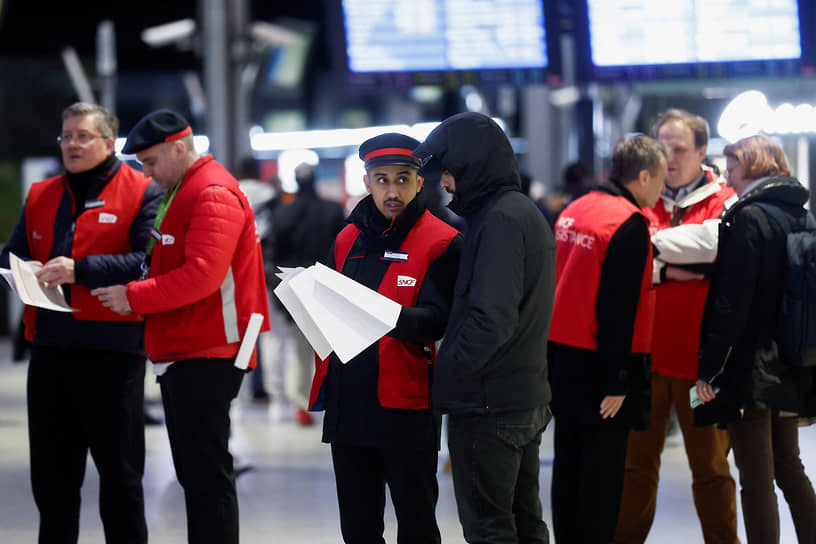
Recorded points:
(106, 122)
(635, 154)
(697, 125)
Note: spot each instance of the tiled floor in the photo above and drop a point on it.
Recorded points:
(289, 496)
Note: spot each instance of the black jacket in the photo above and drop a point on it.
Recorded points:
(305, 229)
(494, 354)
(353, 412)
(737, 349)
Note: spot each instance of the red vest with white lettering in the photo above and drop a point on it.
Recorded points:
(403, 366)
(103, 230)
(679, 310)
(582, 234)
(215, 325)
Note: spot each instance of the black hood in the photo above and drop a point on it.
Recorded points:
(477, 153)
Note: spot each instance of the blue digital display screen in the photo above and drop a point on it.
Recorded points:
(649, 32)
(436, 35)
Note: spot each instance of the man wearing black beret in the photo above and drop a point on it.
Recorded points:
(378, 418)
(203, 279)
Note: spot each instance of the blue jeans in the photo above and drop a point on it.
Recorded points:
(495, 475)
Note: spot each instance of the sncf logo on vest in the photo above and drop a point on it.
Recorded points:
(564, 233)
(405, 281)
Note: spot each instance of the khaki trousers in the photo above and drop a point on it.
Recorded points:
(706, 449)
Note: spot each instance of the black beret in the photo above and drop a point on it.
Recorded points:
(155, 128)
(389, 148)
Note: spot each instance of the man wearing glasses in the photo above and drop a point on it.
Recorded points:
(89, 226)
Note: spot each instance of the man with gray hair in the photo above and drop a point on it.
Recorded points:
(601, 338)
(89, 226)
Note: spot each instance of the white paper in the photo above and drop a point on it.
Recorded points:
(248, 343)
(299, 314)
(348, 315)
(22, 280)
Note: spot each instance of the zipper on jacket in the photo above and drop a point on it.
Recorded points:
(722, 368)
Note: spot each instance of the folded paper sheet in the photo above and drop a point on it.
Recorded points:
(335, 313)
(299, 314)
(22, 281)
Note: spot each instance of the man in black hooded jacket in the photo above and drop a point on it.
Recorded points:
(491, 375)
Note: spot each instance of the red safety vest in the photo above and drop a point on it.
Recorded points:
(582, 234)
(403, 366)
(100, 230)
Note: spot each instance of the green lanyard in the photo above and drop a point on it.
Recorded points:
(165, 203)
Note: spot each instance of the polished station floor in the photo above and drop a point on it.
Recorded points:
(288, 495)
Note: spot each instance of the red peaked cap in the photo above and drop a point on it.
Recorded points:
(390, 148)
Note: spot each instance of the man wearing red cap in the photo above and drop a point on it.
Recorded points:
(203, 279)
(378, 418)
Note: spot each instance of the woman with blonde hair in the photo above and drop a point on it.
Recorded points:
(743, 382)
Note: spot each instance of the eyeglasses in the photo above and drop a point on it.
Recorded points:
(81, 138)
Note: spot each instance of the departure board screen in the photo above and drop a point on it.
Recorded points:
(433, 35)
(649, 32)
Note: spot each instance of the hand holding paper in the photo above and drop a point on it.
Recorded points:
(22, 279)
(335, 313)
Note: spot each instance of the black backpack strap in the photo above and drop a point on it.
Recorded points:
(777, 214)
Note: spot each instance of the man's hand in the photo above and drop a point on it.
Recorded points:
(57, 271)
(114, 297)
(610, 405)
(681, 274)
(705, 392)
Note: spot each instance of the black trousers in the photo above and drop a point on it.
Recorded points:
(361, 474)
(587, 481)
(196, 394)
(495, 476)
(81, 401)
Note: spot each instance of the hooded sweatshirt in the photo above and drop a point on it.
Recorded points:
(493, 356)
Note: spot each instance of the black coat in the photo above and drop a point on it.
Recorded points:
(737, 349)
(305, 229)
(493, 357)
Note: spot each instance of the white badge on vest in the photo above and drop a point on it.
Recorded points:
(168, 239)
(108, 218)
(91, 204)
(397, 256)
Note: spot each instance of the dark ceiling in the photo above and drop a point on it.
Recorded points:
(34, 85)
(40, 30)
